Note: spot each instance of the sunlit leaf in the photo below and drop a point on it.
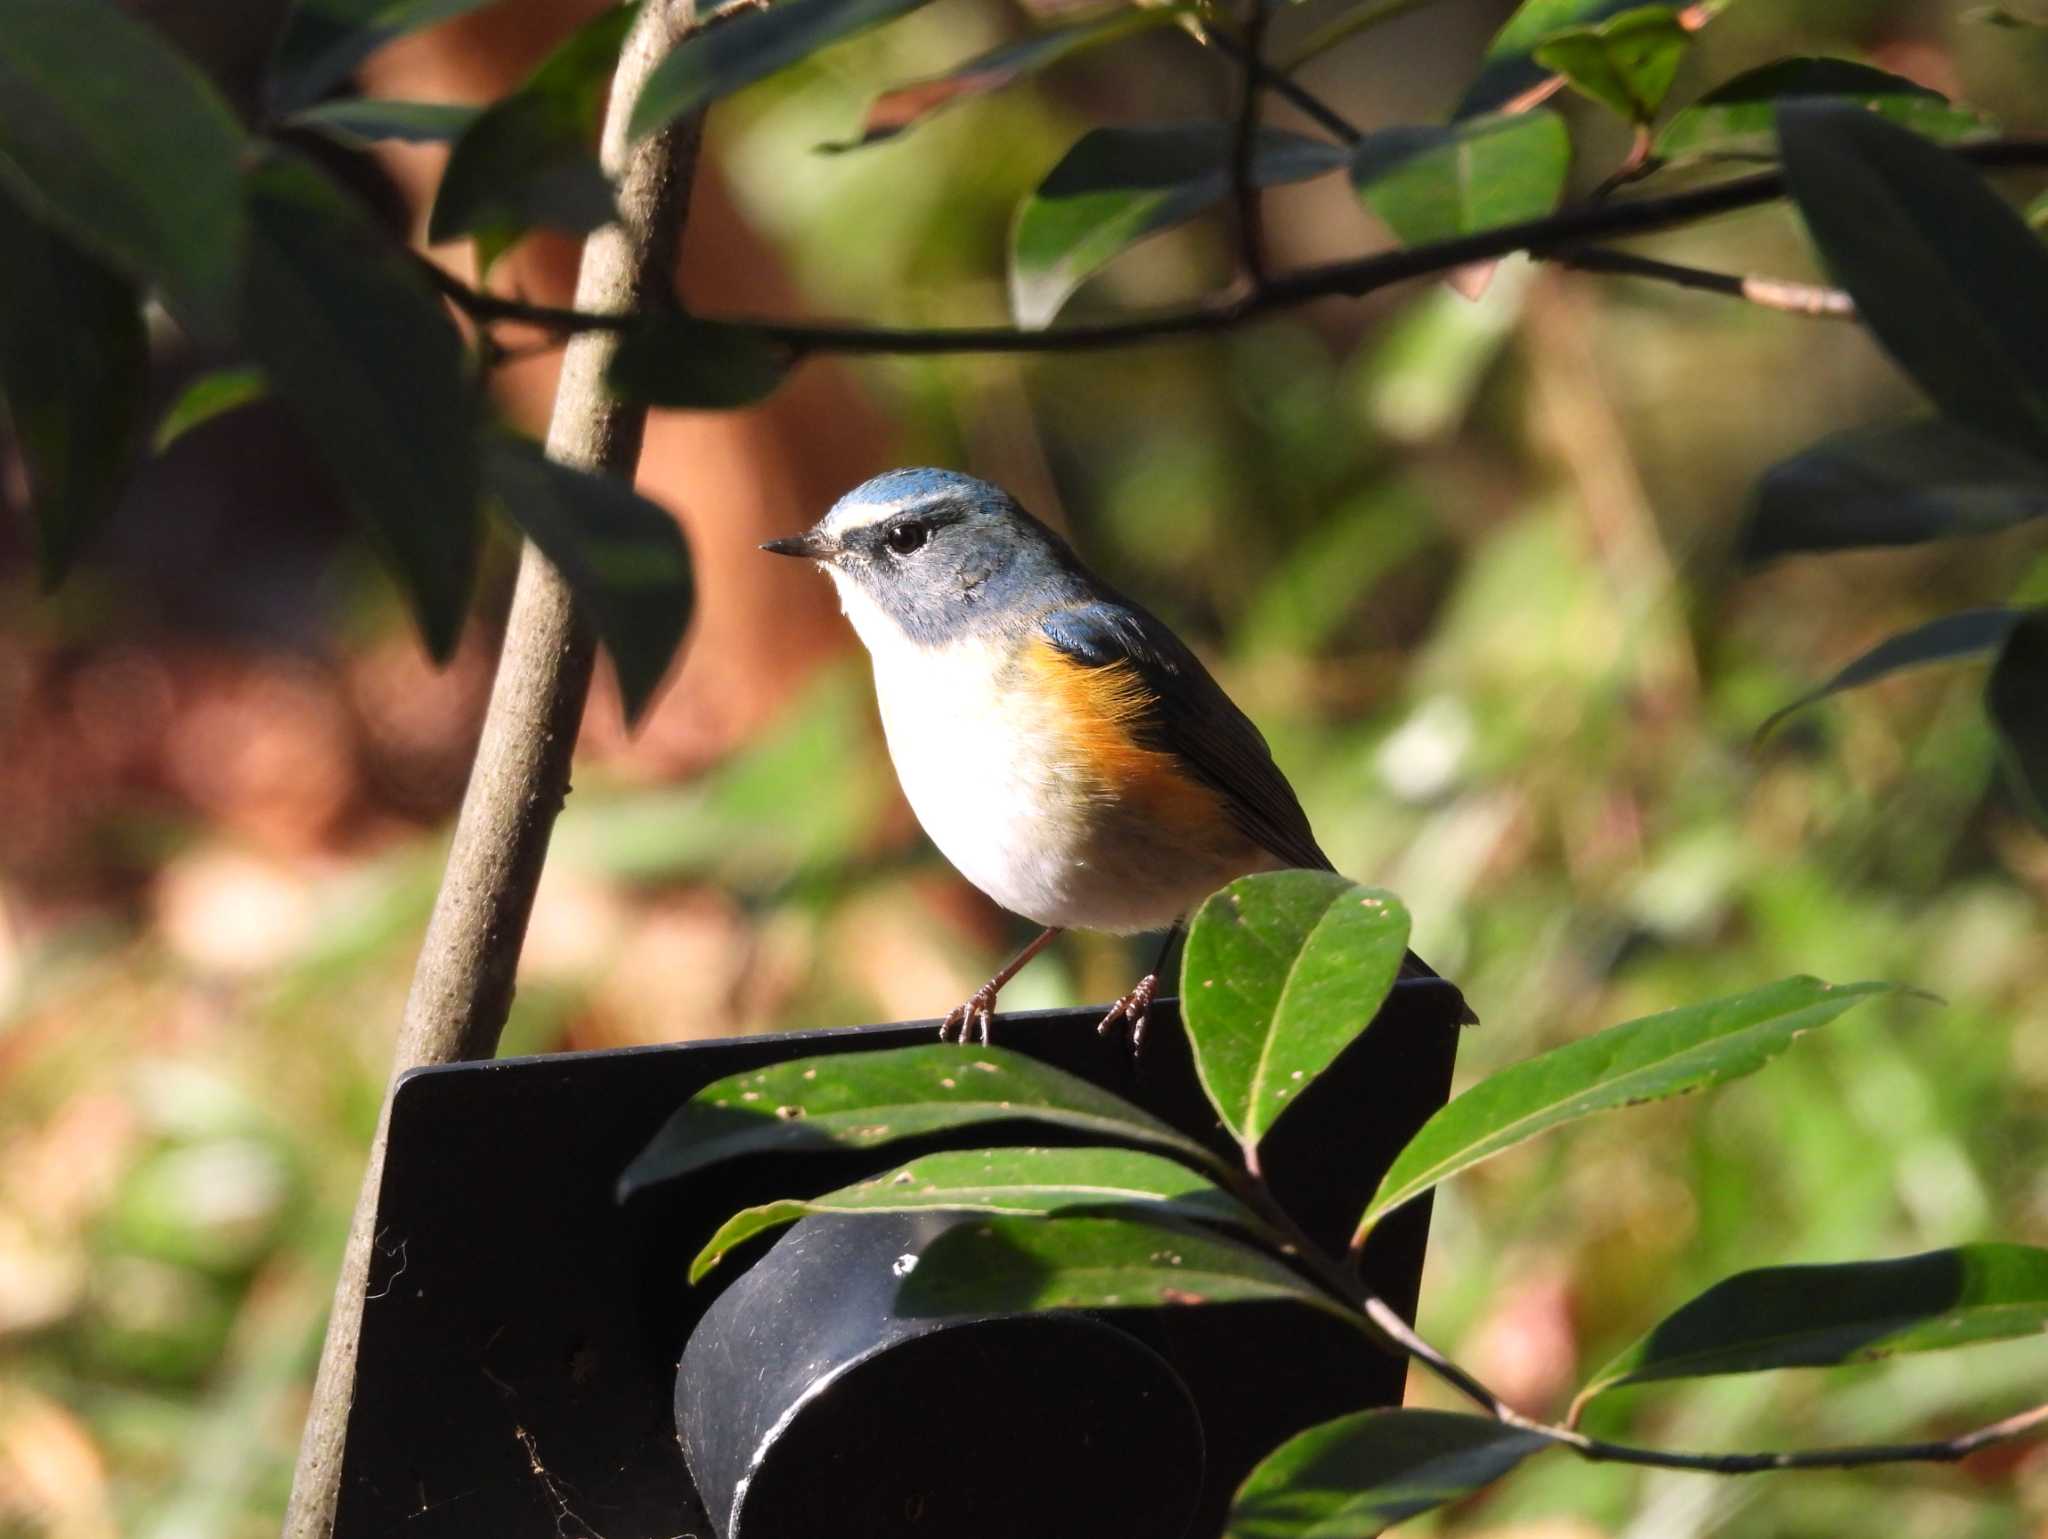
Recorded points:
(324, 41)
(1354, 1477)
(903, 107)
(1432, 182)
(1690, 1048)
(358, 121)
(358, 346)
(212, 394)
(1281, 973)
(1946, 275)
(530, 158)
(107, 132)
(622, 554)
(1118, 185)
(1510, 79)
(862, 1100)
(1823, 1316)
(1015, 1182)
(1897, 485)
(2017, 697)
(1626, 63)
(1010, 1265)
(1938, 641)
(671, 359)
(1739, 118)
(750, 47)
(74, 364)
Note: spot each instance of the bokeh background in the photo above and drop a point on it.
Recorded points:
(1469, 564)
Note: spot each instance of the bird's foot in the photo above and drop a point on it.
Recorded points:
(1134, 1007)
(972, 1020)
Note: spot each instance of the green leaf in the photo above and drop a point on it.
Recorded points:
(74, 365)
(903, 107)
(324, 41)
(1431, 183)
(359, 121)
(1020, 1183)
(1118, 185)
(1690, 1048)
(1355, 1476)
(671, 359)
(1739, 118)
(2017, 698)
(1511, 80)
(1946, 275)
(1824, 1316)
(207, 396)
(114, 138)
(1011, 1265)
(1897, 485)
(358, 346)
(622, 555)
(530, 158)
(1626, 63)
(749, 47)
(863, 1100)
(1938, 641)
(1281, 972)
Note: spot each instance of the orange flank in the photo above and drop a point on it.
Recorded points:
(1096, 712)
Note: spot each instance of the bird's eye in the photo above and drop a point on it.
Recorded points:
(905, 537)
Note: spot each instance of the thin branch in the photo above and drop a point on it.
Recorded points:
(1569, 231)
(1251, 242)
(1771, 293)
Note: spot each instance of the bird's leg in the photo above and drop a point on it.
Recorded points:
(1137, 1005)
(965, 1022)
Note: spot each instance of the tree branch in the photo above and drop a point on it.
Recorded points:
(462, 986)
(1771, 293)
(1251, 242)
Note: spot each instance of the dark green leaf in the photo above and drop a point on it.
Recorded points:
(358, 121)
(324, 41)
(751, 47)
(1511, 80)
(1626, 63)
(1020, 1183)
(358, 346)
(212, 394)
(1355, 1476)
(1690, 1048)
(2017, 697)
(1823, 1316)
(1948, 277)
(74, 363)
(1431, 183)
(1281, 972)
(1898, 485)
(671, 359)
(862, 1100)
(623, 556)
(1740, 117)
(124, 146)
(531, 158)
(1009, 1265)
(902, 107)
(1118, 185)
(1938, 641)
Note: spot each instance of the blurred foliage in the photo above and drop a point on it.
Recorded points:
(1470, 566)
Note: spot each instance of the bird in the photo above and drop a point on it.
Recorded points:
(1062, 747)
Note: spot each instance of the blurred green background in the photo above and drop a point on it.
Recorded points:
(1468, 564)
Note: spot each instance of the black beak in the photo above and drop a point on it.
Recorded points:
(808, 545)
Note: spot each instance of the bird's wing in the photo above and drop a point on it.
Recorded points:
(1190, 717)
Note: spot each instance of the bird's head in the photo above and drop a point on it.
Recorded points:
(933, 555)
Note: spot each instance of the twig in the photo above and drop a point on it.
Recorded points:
(1251, 242)
(462, 985)
(1772, 293)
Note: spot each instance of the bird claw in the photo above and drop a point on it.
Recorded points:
(1135, 1007)
(972, 1020)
